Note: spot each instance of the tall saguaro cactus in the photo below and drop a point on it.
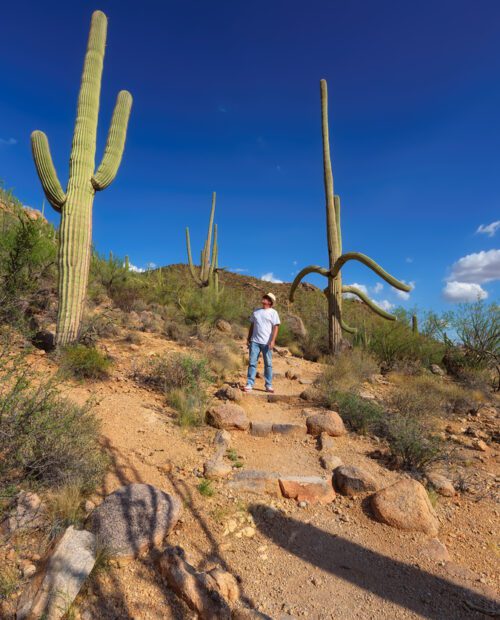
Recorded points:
(209, 268)
(337, 259)
(75, 205)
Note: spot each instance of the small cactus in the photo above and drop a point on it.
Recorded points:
(209, 266)
(75, 205)
(337, 259)
(414, 324)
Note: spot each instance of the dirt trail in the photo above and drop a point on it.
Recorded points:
(318, 562)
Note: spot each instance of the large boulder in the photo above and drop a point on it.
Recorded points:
(325, 422)
(134, 518)
(52, 591)
(406, 506)
(229, 417)
(312, 489)
(227, 392)
(351, 480)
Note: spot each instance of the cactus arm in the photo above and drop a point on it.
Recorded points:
(377, 309)
(348, 328)
(115, 142)
(46, 170)
(208, 243)
(302, 274)
(190, 258)
(369, 262)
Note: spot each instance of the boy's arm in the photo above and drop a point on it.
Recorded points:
(250, 332)
(274, 336)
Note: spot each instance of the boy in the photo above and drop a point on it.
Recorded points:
(264, 325)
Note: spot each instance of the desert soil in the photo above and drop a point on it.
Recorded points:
(320, 562)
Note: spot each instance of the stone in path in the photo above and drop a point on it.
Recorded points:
(134, 518)
(261, 429)
(406, 506)
(312, 489)
(351, 480)
(330, 461)
(255, 481)
(434, 549)
(325, 422)
(228, 417)
(217, 466)
(54, 588)
(227, 392)
(289, 429)
(29, 513)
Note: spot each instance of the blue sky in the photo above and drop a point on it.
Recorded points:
(226, 98)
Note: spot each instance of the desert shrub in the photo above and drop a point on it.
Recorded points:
(347, 370)
(411, 443)
(9, 581)
(103, 325)
(285, 336)
(183, 379)
(225, 358)
(205, 306)
(133, 338)
(179, 332)
(44, 437)
(109, 277)
(363, 416)
(64, 507)
(27, 266)
(84, 362)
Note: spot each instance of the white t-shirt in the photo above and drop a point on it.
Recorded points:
(263, 319)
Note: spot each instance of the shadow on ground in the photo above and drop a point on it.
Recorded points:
(405, 585)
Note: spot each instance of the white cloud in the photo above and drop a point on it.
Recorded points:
(295, 262)
(378, 287)
(409, 259)
(238, 270)
(269, 277)
(404, 294)
(478, 268)
(463, 291)
(385, 304)
(8, 141)
(489, 229)
(135, 269)
(361, 287)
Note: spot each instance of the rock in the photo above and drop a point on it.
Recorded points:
(198, 590)
(441, 484)
(261, 429)
(44, 340)
(437, 370)
(406, 506)
(289, 429)
(326, 442)
(327, 422)
(229, 417)
(134, 518)
(280, 398)
(216, 467)
(134, 347)
(29, 513)
(305, 381)
(351, 480)
(228, 392)
(312, 489)
(290, 374)
(223, 326)
(255, 481)
(434, 549)
(222, 440)
(282, 351)
(295, 325)
(89, 506)
(311, 394)
(53, 590)
(28, 570)
(330, 461)
(479, 444)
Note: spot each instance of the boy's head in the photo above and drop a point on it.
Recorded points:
(268, 300)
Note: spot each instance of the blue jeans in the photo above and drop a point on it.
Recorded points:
(255, 350)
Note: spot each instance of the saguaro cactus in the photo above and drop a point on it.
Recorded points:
(209, 267)
(337, 260)
(75, 205)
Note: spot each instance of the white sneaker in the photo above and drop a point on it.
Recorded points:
(247, 388)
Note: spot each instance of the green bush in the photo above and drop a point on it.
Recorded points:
(43, 437)
(362, 416)
(347, 370)
(411, 443)
(84, 362)
(190, 405)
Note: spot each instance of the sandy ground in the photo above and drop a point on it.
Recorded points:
(317, 562)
